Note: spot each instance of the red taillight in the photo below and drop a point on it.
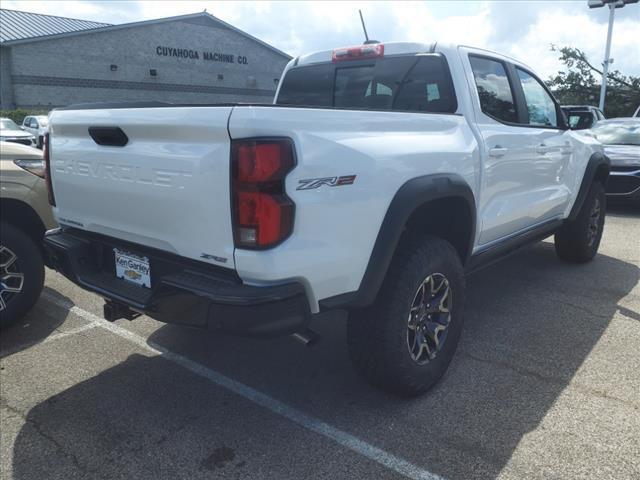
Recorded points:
(263, 214)
(261, 162)
(47, 169)
(358, 53)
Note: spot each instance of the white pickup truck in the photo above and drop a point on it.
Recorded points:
(381, 176)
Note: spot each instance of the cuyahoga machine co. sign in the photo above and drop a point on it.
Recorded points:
(195, 55)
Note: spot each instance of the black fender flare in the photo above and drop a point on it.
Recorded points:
(410, 196)
(598, 167)
(23, 216)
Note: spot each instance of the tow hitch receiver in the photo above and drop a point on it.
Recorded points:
(114, 311)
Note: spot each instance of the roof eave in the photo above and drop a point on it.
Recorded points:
(40, 38)
(110, 28)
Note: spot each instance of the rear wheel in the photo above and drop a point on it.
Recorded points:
(21, 274)
(578, 240)
(405, 342)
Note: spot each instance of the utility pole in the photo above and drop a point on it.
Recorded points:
(612, 4)
(607, 61)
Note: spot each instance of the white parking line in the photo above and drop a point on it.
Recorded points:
(50, 338)
(305, 420)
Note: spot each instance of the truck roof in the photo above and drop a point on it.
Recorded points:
(390, 48)
(578, 107)
(401, 48)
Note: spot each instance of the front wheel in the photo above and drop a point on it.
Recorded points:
(405, 342)
(578, 240)
(21, 274)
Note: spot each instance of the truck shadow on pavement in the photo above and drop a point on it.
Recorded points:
(622, 209)
(531, 321)
(37, 325)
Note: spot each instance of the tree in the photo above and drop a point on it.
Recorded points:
(579, 84)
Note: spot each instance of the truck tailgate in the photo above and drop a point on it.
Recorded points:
(166, 188)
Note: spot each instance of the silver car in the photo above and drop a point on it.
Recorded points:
(621, 140)
(37, 125)
(11, 132)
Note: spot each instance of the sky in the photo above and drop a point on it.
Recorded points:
(522, 29)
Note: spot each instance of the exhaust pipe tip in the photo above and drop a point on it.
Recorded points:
(307, 337)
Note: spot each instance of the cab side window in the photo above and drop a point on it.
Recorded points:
(540, 105)
(494, 89)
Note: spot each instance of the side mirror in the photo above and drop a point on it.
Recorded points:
(563, 122)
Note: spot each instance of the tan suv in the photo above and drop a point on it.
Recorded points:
(25, 214)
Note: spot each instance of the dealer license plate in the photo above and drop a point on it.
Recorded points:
(132, 268)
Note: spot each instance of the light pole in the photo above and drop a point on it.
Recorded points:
(612, 4)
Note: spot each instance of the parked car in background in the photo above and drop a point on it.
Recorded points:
(581, 117)
(37, 125)
(25, 214)
(11, 132)
(621, 139)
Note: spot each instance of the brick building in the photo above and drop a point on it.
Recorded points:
(48, 61)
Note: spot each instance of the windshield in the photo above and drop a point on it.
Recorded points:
(8, 124)
(415, 83)
(618, 133)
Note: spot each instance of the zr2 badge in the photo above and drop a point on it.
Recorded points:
(311, 183)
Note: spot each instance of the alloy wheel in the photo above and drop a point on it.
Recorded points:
(429, 318)
(594, 222)
(11, 278)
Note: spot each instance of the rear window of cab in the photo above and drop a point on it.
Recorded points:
(415, 83)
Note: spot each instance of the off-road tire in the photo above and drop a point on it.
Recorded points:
(28, 262)
(578, 240)
(377, 336)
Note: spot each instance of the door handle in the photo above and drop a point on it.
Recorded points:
(498, 151)
(542, 149)
(566, 149)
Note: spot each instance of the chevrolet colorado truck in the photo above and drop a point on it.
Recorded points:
(381, 175)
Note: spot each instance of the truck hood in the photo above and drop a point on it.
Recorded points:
(15, 133)
(623, 155)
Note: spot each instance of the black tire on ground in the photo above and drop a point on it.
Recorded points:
(29, 263)
(378, 337)
(578, 240)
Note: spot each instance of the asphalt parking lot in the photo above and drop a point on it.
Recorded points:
(545, 384)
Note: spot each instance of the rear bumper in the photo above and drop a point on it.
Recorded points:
(182, 291)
